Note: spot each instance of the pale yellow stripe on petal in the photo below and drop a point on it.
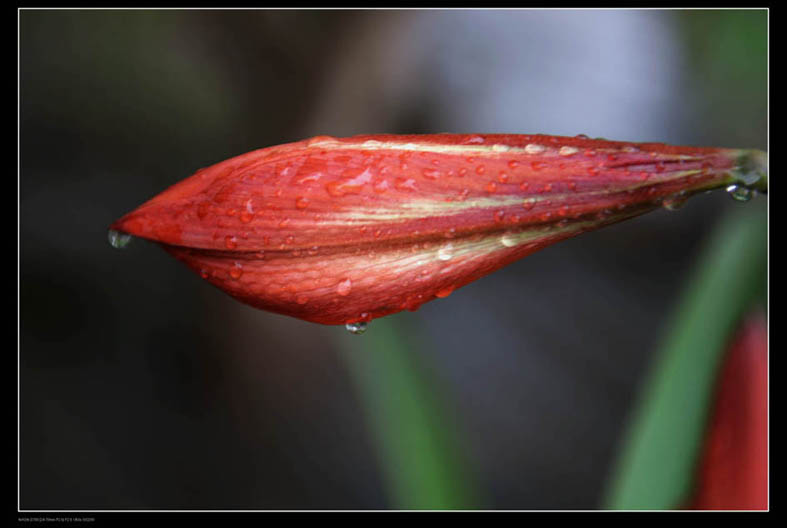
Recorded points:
(462, 248)
(425, 208)
(496, 148)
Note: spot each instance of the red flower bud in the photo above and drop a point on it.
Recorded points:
(347, 230)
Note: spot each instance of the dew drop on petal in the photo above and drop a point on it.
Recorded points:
(508, 240)
(431, 174)
(236, 271)
(405, 184)
(740, 193)
(381, 186)
(446, 252)
(567, 151)
(118, 240)
(356, 328)
(344, 287)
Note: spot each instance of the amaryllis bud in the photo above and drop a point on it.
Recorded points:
(340, 231)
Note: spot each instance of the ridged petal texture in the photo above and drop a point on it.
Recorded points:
(343, 230)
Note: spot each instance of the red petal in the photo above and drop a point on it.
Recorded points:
(337, 230)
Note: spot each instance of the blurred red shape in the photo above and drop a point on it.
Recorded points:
(733, 472)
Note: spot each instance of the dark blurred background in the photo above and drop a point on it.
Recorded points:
(141, 386)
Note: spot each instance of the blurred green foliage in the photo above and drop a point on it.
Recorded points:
(658, 462)
(727, 51)
(422, 463)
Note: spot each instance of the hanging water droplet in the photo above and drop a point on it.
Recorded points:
(740, 193)
(356, 328)
(118, 240)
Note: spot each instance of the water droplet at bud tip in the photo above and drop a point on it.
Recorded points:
(740, 193)
(118, 240)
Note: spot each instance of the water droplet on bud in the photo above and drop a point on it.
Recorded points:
(508, 240)
(344, 287)
(446, 252)
(567, 151)
(740, 193)
(118, 240)
(356, 328)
